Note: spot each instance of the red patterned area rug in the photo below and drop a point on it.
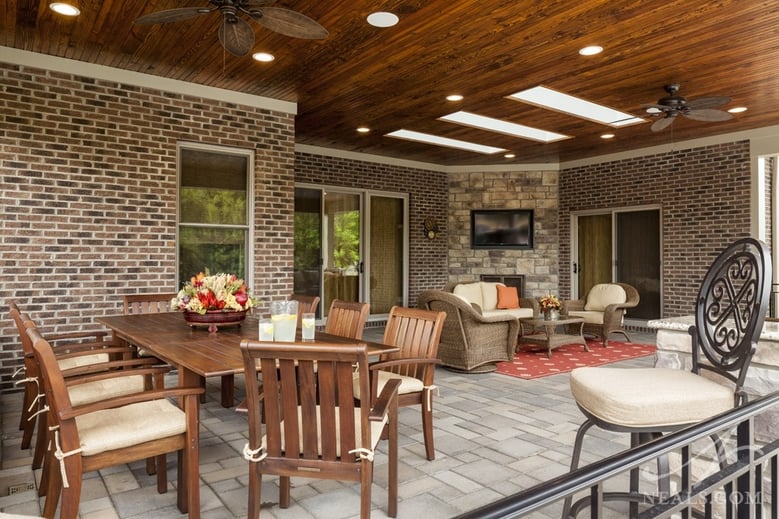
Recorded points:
(532, 362)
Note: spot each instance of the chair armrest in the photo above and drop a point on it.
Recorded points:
(573, 304)
(74, 380)
(387, 398)
(402, 362)
(95, 335)
(530, 302)
(134, 398)
(91, 347)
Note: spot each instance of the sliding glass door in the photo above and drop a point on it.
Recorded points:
(351, 245)
(620, 246)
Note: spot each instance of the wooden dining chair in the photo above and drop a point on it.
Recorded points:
(312, 426)
(114, 431)
(417, 333)
(72, 349)
(347, 318)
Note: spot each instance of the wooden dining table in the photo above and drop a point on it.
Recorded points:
(198, 354)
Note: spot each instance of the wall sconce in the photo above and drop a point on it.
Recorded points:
(431, 228)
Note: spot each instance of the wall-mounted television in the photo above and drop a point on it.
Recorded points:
(502, 229)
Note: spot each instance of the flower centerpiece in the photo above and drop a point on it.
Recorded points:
(551, 306)
(213, 300)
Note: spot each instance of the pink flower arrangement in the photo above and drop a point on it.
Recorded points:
(223, 292)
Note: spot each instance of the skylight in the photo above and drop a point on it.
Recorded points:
(443, 141)
(505, 127)
(548, 98)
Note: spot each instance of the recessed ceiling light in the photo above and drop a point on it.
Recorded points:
(553, 100)
(454, 97)
(363, 129)
(505, 127)
(607, 136)
(509, 155)
(65, 8)
(443, 141)
(738, 109)
(591, 50)
(382, 19)
(263, 57)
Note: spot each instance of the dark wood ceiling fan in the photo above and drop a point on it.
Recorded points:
(673, 105)
(237, 35)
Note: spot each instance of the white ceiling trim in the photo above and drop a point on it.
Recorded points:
(114, 75)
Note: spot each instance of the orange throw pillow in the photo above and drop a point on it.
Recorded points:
(507, 297)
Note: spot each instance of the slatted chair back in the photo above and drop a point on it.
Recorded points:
(306, 304)
(347, 318)
(148, 303)
(312, 425)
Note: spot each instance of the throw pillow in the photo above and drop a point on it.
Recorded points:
(507, 297)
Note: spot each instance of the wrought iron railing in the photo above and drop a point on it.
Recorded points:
(746, 486)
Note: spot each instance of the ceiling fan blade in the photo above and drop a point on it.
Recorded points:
(288, 23)
(171, 15)
(662, 124)
(707, 102)
(708, 115)
(236, 35)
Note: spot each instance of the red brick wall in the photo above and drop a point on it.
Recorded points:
(705, 198)
(88, 192)
(427, 192)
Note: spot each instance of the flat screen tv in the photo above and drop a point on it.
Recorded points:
(502, 229)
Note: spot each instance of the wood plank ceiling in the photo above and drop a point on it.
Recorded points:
(398, 77)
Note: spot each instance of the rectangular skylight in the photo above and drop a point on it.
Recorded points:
(443, 141)
(505, 127)
(548, 98)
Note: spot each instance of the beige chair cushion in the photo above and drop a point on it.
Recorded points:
(602, 295)
(472, 293)
(407, 384)
(489, 295)
(83, 360)
(376, 429)
(132, 424)
(589, 317)
(648, 396)
(82, 394)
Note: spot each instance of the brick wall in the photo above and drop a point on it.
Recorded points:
(704, 195)
(88, 192)
(505, 190)
(427, 192)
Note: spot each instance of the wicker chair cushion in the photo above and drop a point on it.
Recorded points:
(84, 360)
(489, 294)
(651, 397)
(589, 317)
(82, 394)
(471, 292)
(376, 429)
(604, 294)
(111, 429)
(407, 384)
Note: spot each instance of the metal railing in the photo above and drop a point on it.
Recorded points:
(745, 487)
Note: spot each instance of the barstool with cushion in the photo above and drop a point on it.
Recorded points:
(731, 308)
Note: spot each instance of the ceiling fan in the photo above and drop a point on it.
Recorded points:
(237, 35)
(673, 105)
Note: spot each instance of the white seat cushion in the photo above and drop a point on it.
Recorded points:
(471, 292)
(519, 313)
(589, 317)
(129, 425)
(82, 394)
(83, 360)
(642, 397)
(604, 294)
(407, 384)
